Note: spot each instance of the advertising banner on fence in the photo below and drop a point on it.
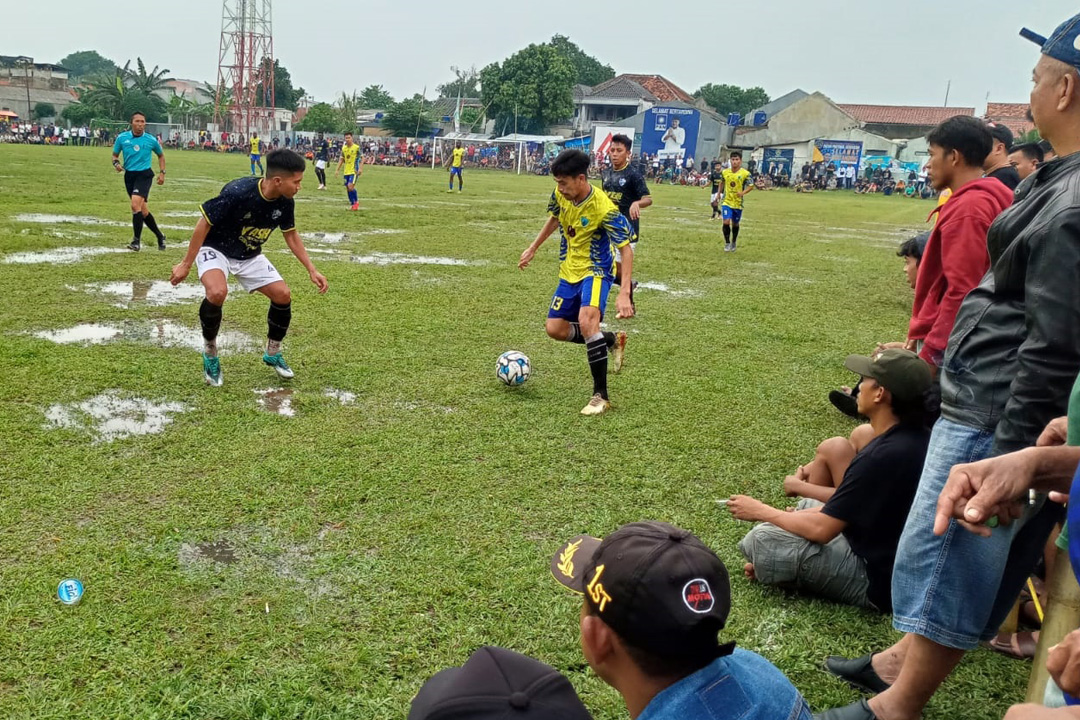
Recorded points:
(778, 161)
(602, 138)
(671, 133)
(840, 152)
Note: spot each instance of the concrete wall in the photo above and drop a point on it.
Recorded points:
(14, 98)
(811, 117)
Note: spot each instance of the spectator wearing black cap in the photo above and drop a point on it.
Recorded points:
(498, 684)
(1026, 158)
(997, 163)
(655, 598)
(1047, 149)
(843, 549)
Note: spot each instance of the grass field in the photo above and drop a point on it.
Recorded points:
(242, 563)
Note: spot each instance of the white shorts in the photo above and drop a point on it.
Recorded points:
(714, 198)
(321, 164)
(252, 273)
(618, 252)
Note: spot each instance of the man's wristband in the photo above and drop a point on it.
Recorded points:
(116, 163)
(162, 171)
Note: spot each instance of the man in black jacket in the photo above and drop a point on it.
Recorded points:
(1011, 359)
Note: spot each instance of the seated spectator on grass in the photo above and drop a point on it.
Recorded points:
(1026, 159)
(655, 598)
(497, 683)
(843, 548)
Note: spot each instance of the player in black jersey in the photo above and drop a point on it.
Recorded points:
(322, 157)
(716, 180)
(228, 240)
(624, 183)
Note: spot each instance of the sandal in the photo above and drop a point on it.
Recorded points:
(1020, 645)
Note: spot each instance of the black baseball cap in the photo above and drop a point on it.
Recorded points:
(498, 684)
(1063, 45)
(1002, 134)
(901, 372)
(657, 586)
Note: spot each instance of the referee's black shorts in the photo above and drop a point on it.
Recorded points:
(138, 182)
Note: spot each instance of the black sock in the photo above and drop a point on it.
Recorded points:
(575, 334)
(596, 347)
(734, 234)
(210, 318)
(151, 223)
(136, 224)
(277, 320)
(609, 338)
(727, 234)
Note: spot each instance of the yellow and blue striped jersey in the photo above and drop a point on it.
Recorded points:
(590, 229)
(459, 158)
(735, 183)
(350, 154)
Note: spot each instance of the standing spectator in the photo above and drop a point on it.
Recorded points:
(997, 163)
(1011, 359)
(1026, 158)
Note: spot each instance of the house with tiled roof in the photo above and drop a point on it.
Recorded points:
(622, 97)
(661, 87)
(1012, 115)
(902, 121)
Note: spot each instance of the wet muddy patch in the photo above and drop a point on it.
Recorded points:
(380, 258)
(155, 293)
(50, 219)
(59, 256)
(159, 333)
(342, 396)
(668, 289)
(219, 551)
(113, 415)
(277, 401)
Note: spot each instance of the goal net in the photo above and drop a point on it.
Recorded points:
(484, 153)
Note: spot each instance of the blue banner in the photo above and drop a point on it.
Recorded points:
(777, 161)
(671, 133)
(840, 152)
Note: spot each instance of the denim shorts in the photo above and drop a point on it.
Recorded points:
(956, 589)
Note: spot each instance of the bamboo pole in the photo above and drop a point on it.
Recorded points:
(1062, 617)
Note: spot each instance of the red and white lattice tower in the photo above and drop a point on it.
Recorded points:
(245, 85)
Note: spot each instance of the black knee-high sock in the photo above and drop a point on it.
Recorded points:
(727, 233)
(321, 175)
(277, 320)
(734, 234)
(575, 335)
(136, 224)
(210, 318)
(151, 223)
(609, 338)
(597, 350)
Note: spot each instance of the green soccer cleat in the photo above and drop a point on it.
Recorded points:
(280, 366)
(212, 370)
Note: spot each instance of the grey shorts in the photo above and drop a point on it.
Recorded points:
(832, 571)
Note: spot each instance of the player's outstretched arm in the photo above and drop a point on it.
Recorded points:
(292, 239)
(161, 165)
(624, 306)
(180, 270)
(544, 234)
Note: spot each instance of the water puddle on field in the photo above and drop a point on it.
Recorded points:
(148, 292)
(68, 234)
(219, 552)
(664, 288)
(177, 214)
(277, 401)
(59, 256)
(412, 406)
(160, 333)
(379, 258)
(342, 396)
(113, 415)
(324, 237)
(48, 219)
(381, 231)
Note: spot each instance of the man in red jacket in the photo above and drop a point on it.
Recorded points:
(955, 258)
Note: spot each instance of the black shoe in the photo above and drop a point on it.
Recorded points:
(161, 241)
(859, 710)
(857, 672)
(133, 245)
(845, 403)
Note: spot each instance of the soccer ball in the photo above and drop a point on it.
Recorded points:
(513, 368)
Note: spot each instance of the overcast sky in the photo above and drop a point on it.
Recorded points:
(854, 51)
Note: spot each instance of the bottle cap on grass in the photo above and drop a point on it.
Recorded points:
(70, 591)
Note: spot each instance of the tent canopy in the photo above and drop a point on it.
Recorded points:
(518, 137)
(8, 114)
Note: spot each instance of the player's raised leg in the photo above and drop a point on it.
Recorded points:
(278, 318)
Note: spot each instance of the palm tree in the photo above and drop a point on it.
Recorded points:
(106, 92)
(148, 82)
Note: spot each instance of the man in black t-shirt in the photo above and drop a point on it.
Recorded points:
(716, 182)
(625, 185)
(843, 549)
(997, 163)
(228, 240)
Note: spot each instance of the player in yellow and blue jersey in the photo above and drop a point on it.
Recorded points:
(256, 154)
(592, 228)
(736, 183)
(353, 163)
(457, 164)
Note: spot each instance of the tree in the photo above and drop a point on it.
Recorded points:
(87, 62)
(79, 113)
(587, 69)
(285, 96)
(147, 82)
(466, 84)
(726, 99)
(531, 89)
(321, 117)
(44, 110)
(403, 119)
(470, 118)
(348, 109)
(374, 97)
(104, 93)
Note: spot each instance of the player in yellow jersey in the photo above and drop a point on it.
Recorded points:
(591, 227)
(457, 164)
(353, 162)
(736, 183)
(256, 154)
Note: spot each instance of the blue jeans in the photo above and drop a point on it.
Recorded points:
(956, 589)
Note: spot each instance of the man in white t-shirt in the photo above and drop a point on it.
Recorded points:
(674, 138)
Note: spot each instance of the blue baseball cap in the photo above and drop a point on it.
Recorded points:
(1063, 45)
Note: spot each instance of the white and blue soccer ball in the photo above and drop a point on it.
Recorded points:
(513, 368)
